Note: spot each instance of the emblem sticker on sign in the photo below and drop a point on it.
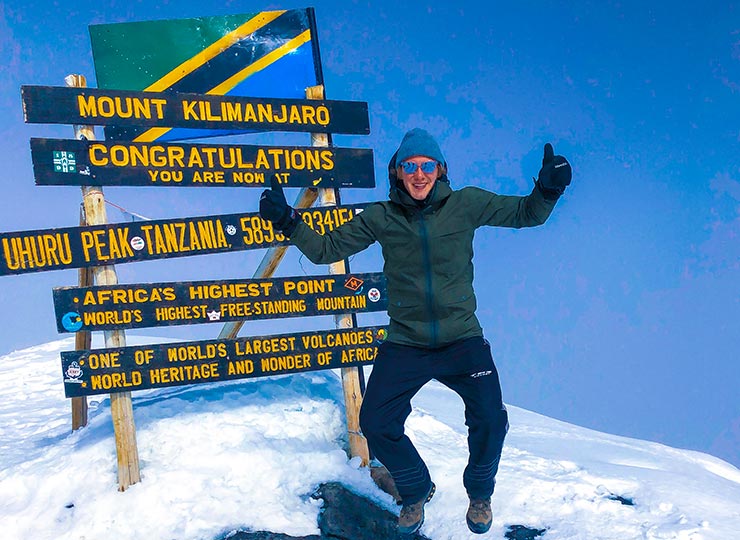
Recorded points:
(64, 162)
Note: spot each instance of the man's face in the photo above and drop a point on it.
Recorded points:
(419, 183)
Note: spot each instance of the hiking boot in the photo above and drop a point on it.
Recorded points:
(479, 516)
(384, 481)
(412, 515)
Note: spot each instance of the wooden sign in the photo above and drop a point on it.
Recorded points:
(69, 162)
(91, 106)
(127, 369)
(168, 304)
(117, 243)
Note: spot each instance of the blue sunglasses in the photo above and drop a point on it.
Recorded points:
(409, 167)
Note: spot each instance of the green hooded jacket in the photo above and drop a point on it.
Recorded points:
(428, 253)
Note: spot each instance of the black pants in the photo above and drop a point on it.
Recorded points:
(398, 374)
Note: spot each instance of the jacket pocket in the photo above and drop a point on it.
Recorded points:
(407, 311)
(456, 300)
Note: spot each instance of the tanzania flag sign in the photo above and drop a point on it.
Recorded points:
(273, 53)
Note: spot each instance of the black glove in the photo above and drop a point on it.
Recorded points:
(274, 208)
(555, 174)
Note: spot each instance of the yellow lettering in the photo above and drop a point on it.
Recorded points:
(93, 152)
(232, 112)
(86, 106)
(241, 367)
(188, 110)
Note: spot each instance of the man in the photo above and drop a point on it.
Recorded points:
(426, 233)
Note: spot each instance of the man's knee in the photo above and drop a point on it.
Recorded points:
(374, 425)
(494, 421)
(499, 420)
(370, 423)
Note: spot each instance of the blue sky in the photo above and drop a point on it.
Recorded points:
(622, 313)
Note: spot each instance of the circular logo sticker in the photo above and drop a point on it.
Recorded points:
(74, 371)
(373, 294)
(230, 230)
(381, 334)
(137, 242)
(72, 321)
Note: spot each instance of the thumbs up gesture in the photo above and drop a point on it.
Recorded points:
(555, 173)
(274, 208)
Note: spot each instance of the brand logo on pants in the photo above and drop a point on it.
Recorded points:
(481, 374)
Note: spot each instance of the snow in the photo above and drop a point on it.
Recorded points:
(248, 454)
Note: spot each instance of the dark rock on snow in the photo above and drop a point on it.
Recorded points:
(520, 532)
(344, 516)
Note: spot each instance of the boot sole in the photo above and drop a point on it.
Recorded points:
(478, 528)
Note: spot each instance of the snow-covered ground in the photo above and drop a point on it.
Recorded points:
(247, 455)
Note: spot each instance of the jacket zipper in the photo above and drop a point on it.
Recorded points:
(428, 277)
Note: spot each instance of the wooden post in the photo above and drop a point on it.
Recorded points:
(350, 376)
(122, 411)
(83, 341)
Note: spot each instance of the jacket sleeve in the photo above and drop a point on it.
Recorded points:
(338, 244)
(510, 210)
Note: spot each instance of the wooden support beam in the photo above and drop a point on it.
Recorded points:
(350, 376)
(122, 412)
(83, 341)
